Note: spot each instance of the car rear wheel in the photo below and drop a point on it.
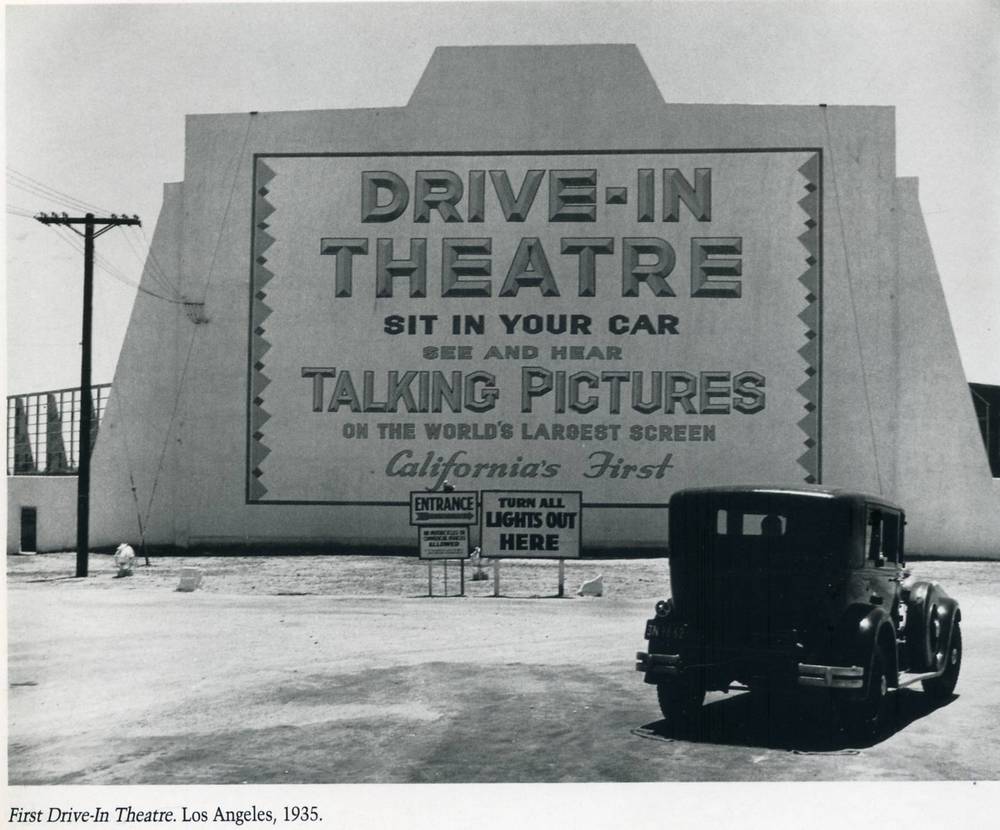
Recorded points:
(681, 699)
(942, 686)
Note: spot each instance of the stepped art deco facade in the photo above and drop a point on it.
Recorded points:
(535, 276)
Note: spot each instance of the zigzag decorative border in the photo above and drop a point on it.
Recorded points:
(811, 316)
(810, 460)
(259, 345)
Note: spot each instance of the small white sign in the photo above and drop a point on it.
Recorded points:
(444, 543)
(531, 524)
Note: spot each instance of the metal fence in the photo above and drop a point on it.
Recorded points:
(43, 430)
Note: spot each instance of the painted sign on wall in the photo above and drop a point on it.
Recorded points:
(618, 323)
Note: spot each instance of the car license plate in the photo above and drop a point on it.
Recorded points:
(665, 630)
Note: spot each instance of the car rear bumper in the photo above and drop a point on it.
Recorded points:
(659, 665)
(656, 666)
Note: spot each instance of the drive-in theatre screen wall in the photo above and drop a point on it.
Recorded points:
(618, 323)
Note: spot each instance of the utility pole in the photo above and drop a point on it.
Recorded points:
(93, 227)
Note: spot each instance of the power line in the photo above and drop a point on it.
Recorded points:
(111, 270)
(59, 199)
(48, 197)
(108, 268)
(854, 304)
(194, 329)
(154, 275)
(225, 213)
(149, 250)
(49, 192)
(31, 185)
(123, 402)
(138, 246)
(151, 265)
(32, 343)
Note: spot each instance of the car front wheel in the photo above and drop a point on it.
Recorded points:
(866, 719)
(941, 687)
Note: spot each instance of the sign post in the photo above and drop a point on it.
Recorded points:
(442, 520)
(530, 524)
(444, 543)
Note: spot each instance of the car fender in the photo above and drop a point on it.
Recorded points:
(947, 614)
(860, 628)
(930, 617)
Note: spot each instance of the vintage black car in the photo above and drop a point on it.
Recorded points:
(783, 590)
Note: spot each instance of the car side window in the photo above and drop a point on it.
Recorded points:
(890, 536)
(873, 537)
(728, 523)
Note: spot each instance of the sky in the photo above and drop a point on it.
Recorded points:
(96, 97)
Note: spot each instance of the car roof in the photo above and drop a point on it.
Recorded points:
(799, 490)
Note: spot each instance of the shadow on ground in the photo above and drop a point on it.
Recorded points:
(759, 721)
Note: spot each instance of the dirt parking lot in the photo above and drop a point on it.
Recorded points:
(287, 670)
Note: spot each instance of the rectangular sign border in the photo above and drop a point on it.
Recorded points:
(249, 479)
(420, 542)
(482, 518)
(449, 523)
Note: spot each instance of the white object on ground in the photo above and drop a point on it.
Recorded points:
(592, 587)
(124, 559)
(190, 579)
